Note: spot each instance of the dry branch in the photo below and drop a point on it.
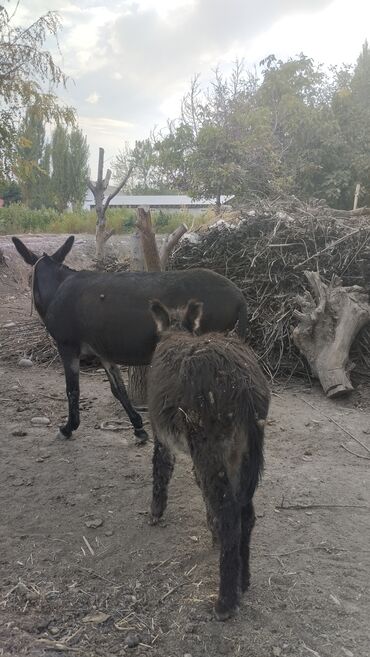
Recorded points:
(170, 243)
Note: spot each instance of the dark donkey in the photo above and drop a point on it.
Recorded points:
(108, 315)
(207, 396)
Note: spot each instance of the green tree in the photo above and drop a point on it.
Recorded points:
(78, 167)
(146, 177)
(31, 174)
(220, 145)
(10, 192)
(60, 177)
(67, 160)
(295, 128)
(351, 106)
(25, 66)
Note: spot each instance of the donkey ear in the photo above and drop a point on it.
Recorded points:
(28, 256)
(161, 315)
(63, 250)
(193, 315)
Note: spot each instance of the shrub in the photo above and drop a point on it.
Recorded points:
(18, 218)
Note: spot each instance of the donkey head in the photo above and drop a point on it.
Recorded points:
(187, 319)
(49, 273)
(31, 258)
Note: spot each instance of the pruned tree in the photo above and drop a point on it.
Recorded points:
(98, 189)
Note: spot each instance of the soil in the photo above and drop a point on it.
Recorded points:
(82, 572)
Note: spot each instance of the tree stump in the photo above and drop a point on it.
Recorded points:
(329, 322)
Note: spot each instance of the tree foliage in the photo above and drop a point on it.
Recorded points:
(25, 67)
(146, 177)
(293, 128)
(53, 173)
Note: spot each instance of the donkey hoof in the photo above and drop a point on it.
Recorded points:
(141, 436)
(153, 520)
(223, 612)
(61, 435)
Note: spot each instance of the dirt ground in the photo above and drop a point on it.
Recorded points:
(82, 572)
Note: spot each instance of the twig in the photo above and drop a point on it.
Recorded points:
(88, 546)
(95, 574)
(359, 456)
(57, 645)
(357, 440)
(298, 507)
(330, 246)
(313, 652)
(159, 565)
(175, 588)
(302, 549)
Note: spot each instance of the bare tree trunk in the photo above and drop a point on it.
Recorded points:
(329, 322)
(150, 249)
(98, 189)
(145, 256)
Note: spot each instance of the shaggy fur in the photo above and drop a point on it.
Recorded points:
(207, 396)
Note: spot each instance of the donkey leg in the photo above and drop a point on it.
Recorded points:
(163, 464)
(220, 495)
(71, 362)
(248, 519)
(120, 393)
(211, 518)
(229, 530)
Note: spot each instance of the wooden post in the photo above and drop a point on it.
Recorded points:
(150, 249)
(357, 194)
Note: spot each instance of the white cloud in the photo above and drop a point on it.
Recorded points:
(93, 98)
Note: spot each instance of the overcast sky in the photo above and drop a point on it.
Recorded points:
(131, 61)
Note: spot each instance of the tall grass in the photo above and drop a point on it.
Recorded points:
(18, 218)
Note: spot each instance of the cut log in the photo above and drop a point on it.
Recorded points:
(150, 249)
(329, 322)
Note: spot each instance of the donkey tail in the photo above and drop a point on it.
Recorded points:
(241, 327)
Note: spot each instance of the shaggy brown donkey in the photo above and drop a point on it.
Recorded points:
(207, 395)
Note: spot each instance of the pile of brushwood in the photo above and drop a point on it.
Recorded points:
(27, 338)
(265, 249)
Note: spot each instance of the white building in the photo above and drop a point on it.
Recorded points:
(166, 203)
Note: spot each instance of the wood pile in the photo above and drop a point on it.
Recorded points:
(27, 338)
(265, 249)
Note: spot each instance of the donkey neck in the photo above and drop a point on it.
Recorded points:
(47, 277)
